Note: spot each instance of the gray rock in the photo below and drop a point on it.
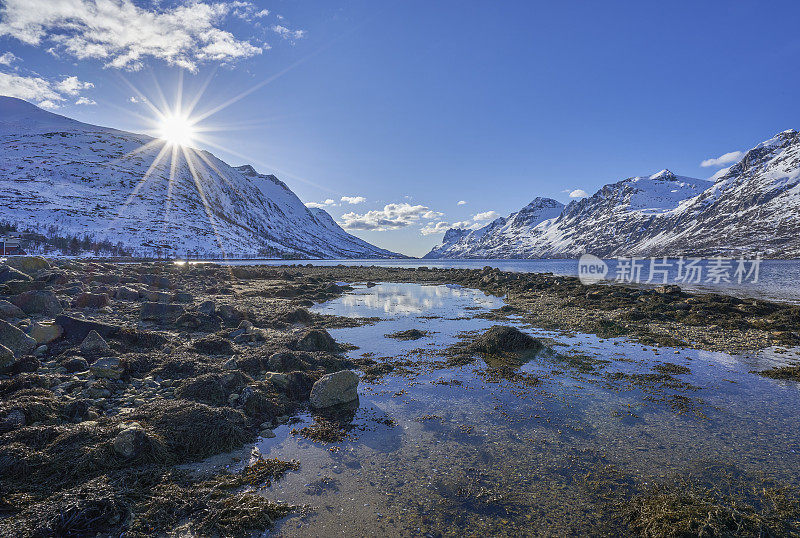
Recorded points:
(94, 344)
(124, 293)
(76, 329)
(108, 368)
(157, 296)
(40, 302)
(317, 340)
(75, 364)
(162, 312)
(207, 307)
(10, 311)
(334, 389)
(44, 333)
(131, 441)
(14, 339)
(6, 357)
(28, 264)
(13, 420)
(279, 379)
(90, 300)
(9, 273)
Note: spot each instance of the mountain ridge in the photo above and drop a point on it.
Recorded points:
(752, 206)
(59, 175)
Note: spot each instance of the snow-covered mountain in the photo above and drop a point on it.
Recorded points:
(493, 240)
(59, 176)
(752, 206)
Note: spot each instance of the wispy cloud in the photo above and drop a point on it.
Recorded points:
(462, 202)
(286, 33)
(578, 193)
(321, 205)
(722, 160)
(391, 217)
(85, 101)
(435, 228)
(354, 199)
(123, 35)
(7, 58)
(45, 93)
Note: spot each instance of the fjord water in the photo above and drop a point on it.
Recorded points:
(778, 280)
(447, 447)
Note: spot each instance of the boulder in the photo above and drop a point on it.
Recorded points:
(90, 300)
(15, 287)
(14, 339)
(75, 364)
(501, 339)
(124, 293)
(157, 296)
(131, 441)
(9, 273)
(108, 368)
(157, 281)
(28, 264)
(10, 311)
(207, 307)
(13, 420)
(161, 312)
(94, 344)
(317, 340)
(6, 357)
(334, 389)
(40, 302)
(280, 380)
(44, 333)
(76, 329)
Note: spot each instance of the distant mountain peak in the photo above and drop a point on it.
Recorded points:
(664, 175)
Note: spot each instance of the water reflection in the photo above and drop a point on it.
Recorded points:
(402, 300)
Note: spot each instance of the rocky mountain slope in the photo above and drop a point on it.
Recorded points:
(752, 206)
(62, 177)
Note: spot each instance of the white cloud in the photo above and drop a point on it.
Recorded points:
(45, 93)
(462, 202)
(73, 86)
(285, 33)
(85, 101)
(578, 193)
(437, 228)
(123, 35)
(354, 199)
(7, 58)
(391, 217)
(321, 205)
(722, 160)
(486, 215)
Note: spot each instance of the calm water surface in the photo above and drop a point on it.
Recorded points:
(479, 449)
(778, 279)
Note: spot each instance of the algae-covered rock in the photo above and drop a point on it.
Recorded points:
(502, 339)
(14, 339)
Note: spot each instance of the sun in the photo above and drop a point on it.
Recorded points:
(177, 130)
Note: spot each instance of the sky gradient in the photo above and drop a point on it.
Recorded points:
(391, 113)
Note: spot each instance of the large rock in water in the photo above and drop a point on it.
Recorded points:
(317, 340)
(14, 339)
(502, 339)
(334, 389)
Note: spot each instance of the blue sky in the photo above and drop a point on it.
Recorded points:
(417, 105)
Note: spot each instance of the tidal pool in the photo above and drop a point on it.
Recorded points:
(554, 445)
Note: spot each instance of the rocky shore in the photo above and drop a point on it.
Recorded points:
(114, 375)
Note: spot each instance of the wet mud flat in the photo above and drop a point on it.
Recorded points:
(174, 399)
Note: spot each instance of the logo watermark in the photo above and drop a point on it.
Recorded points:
(591, 269)
(664, 270)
